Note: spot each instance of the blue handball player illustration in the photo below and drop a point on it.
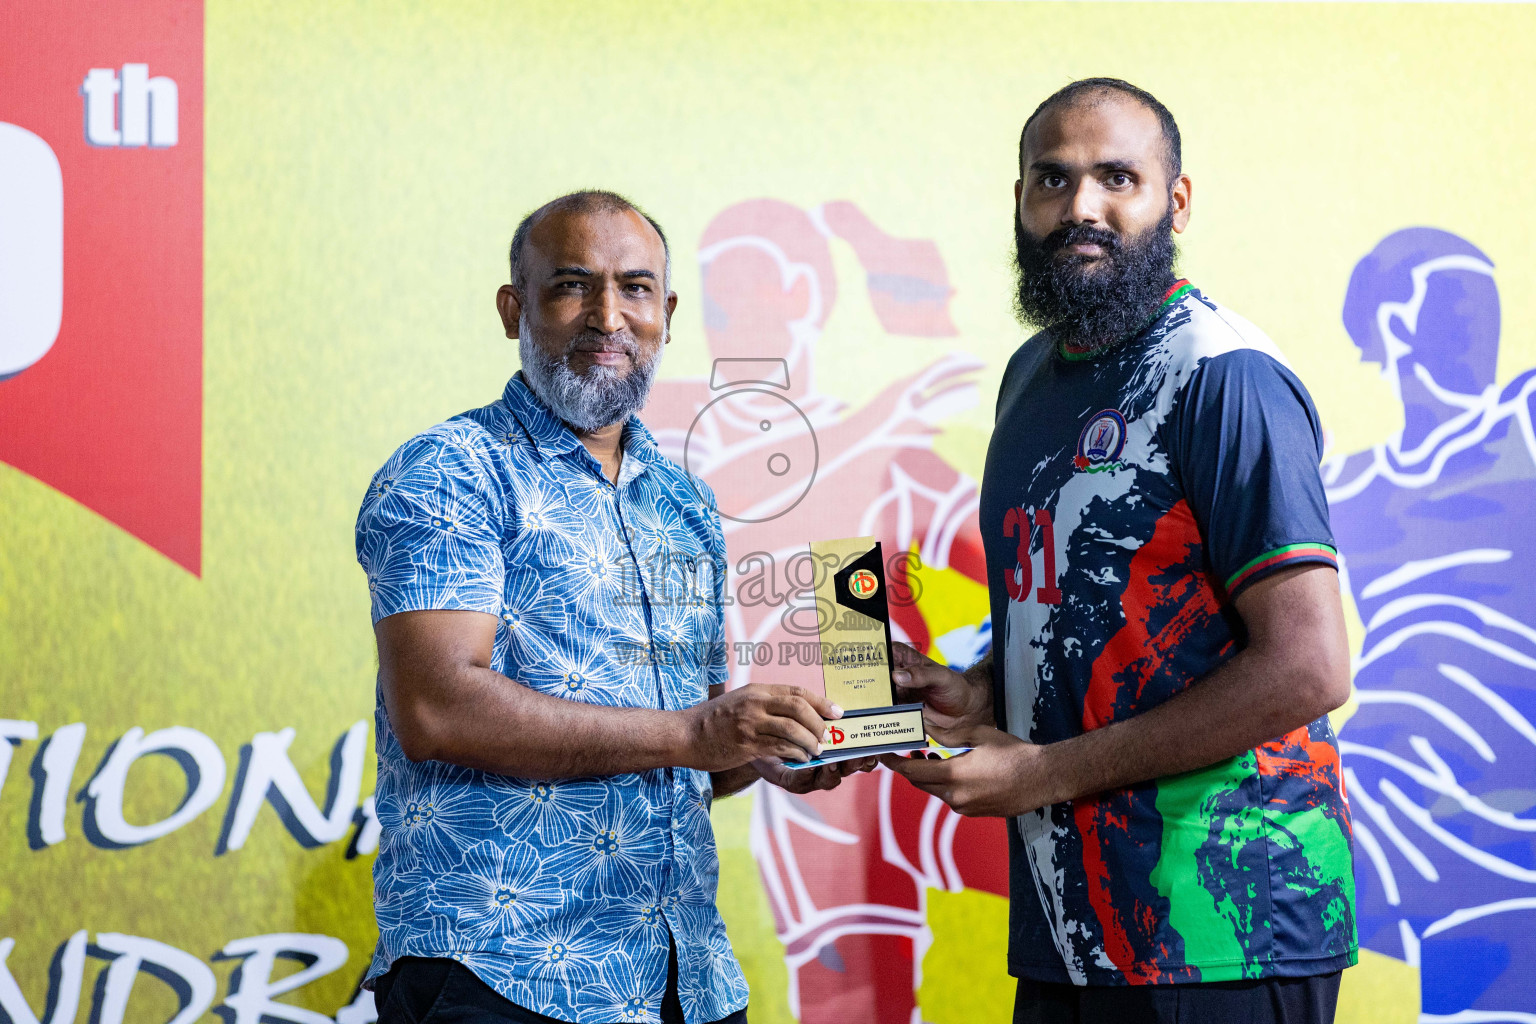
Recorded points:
(1435, 533)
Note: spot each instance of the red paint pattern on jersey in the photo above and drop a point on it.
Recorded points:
(1096, 816)
(1129, 660)
(1133, 654)
(1296, 755)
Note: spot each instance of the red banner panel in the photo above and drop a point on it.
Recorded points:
(101, 259)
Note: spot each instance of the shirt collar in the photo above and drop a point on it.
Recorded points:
(1170, 298)
(550, 435)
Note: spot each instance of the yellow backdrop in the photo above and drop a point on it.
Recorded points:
(365, 165)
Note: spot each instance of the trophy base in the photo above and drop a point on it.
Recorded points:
(865, 732)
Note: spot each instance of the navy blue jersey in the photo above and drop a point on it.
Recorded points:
(1129, 497)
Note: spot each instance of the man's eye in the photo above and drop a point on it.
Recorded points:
(1119, 179)
(1053, 181)
(638, 289)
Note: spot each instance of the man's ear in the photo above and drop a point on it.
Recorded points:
(1182, 195)
(671, 307)
(510, 306)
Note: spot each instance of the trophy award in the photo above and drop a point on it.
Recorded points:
(854, 623)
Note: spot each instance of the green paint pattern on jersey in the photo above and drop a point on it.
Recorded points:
(1206, 869)
(1221, 855)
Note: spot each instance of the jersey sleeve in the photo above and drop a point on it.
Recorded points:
(428, 533)
(1246, 445)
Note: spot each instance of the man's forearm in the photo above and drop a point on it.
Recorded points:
(734, 780)
(980, 675)
(503, 727)
(1294, 670)
(1250, 700)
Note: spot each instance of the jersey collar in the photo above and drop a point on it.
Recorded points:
(1074, 353)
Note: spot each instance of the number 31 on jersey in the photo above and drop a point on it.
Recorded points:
(1020, 579)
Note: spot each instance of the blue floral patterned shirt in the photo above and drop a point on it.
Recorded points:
(559, 895)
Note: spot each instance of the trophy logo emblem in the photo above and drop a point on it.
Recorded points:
(863, 584)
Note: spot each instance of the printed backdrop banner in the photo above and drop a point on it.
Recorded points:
(246, 250)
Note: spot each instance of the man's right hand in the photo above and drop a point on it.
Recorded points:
(952, 701)
(756, 721)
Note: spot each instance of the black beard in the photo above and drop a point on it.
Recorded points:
(1088, 302)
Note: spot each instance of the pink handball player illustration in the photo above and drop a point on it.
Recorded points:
(846, 870)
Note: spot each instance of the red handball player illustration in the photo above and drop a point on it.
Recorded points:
(846, 870)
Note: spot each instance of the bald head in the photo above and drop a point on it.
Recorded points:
(586, 202)
(1093, 92)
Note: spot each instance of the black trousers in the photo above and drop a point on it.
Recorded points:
(1269, 1001)
(419, 990)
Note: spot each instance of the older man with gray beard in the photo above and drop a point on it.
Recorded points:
(551, 715)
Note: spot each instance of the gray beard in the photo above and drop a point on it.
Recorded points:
(599, 398)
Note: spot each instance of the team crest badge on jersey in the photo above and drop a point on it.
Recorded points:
(1101, 442)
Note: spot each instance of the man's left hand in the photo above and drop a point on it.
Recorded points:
(1001, 776)
(808, 780)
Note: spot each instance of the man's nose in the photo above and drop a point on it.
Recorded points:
(1086, 206)
(605, 313)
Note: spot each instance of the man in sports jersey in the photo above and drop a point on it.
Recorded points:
(1169, 631)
